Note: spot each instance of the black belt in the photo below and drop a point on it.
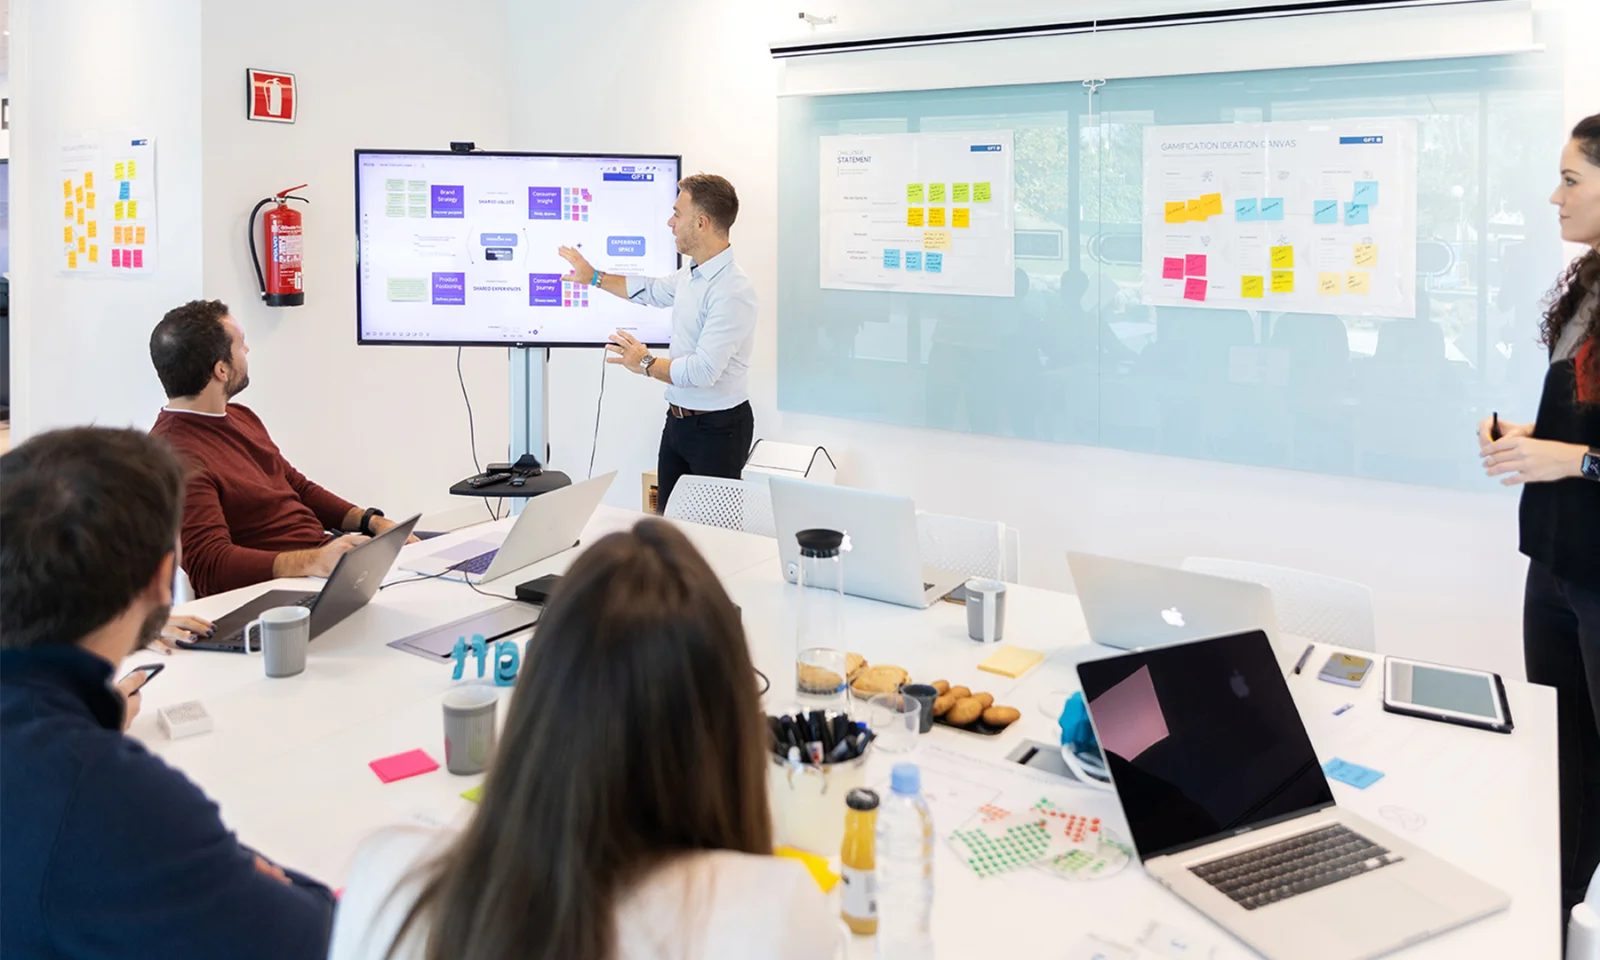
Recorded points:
(680, 412)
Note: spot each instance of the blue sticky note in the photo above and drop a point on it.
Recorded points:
(913, 259)
(933, 262)
(1355, 214)
(1325, 211)
(122, 191)
(1246, 209)
(1354, 774)
(1366, 192)
(891, 259)
(1272, 208)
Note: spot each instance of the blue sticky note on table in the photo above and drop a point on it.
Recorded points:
(913, 259)
(1355, 214)
(1325, 211)
(1354, 774)
(1246, 209)
(933, 262)
(1366, 192)
(891, 259)
(1272, 208)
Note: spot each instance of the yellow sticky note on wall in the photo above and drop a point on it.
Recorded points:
(1357, 281)
(960, 193)
(1283, 281)
(936, 193)
(1282, 258)
(72, 259)
(93, 228)
(67, 210)
(980, 192)
(66, 189)
(88, 199)
(133, 209)
(914, 217)
(94, 253)
(913, 193)
(83, 244)
(1009, 661)
(1211, 204)
(77, 195)
(121, 211)
(1177, 212)
(1196, 210)
(1329, 284)
(132, 169)
(936, 216)
(960, 217)
(120, 171)
(66, 234)
(1252, 288)
(936, 239)
(88, 179)
(80, 216)
(1366, 255)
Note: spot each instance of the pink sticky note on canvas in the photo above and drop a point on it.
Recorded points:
(1194, 265)
(138, 259)
(402, 765)
(1194, 288)
(1172, 268)
(116, 257)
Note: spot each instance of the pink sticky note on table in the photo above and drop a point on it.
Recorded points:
(1194, 265)
(1194, 288)
(402, 765)
(1172, 268)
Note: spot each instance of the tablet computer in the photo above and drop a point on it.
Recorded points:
(1471, 698)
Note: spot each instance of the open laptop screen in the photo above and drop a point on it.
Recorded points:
(1203, 741)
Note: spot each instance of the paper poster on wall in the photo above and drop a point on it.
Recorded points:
(1311, 217)
(919, 212)
(108, 224)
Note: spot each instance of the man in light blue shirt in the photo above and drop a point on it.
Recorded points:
(707, 368)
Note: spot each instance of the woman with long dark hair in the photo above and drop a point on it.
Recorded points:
(1558, 457)
(625, 815)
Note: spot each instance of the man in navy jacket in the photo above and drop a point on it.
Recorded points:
(105, 851)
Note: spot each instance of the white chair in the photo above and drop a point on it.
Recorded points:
(1583, 930)
(1311, 605)
(731, 504)
(977, 548)
(182, 590)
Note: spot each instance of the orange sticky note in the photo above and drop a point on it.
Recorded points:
(1357, 281)
(116, 235)
(936, 240)
(88, 179)
(914, 217)
(1252, 288)
(1283, 281)
(88, 199)
(138, 233)
(92, 228)
(94, 253)
(960, 217)
(1282, 258)
(1177, 211)
(936, 216)
(1329, 284)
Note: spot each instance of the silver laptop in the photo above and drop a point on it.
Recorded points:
(1229, 809)
(883, 562)
(549, 524)
(1136, 605)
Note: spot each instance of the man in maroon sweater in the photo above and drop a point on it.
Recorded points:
(248, 515)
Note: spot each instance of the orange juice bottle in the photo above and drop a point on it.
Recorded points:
(856, 859)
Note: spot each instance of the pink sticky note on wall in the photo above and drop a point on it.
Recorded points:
(138, 259)
(1194, 288)
(116, 257)
(1194, 265)
(402, 765)
(1172, 268)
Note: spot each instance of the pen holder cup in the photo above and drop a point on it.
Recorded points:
(807, 801)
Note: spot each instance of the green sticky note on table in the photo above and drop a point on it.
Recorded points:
(475, 794)
(960, 193)
(914, 193)
(980, 192)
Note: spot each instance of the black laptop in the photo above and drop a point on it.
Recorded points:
(354, 581)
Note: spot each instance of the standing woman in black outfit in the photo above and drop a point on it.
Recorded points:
(1558, 457)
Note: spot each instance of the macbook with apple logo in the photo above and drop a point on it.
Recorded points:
(1136, 606)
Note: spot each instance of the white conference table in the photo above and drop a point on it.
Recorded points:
(287, 760)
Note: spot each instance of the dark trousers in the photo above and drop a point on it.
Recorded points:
(1561, 649)
(711, 444)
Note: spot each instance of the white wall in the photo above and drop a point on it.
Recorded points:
(694, 76)
(379, 425)
(80, 345)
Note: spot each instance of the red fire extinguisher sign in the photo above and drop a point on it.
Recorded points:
(270, 95)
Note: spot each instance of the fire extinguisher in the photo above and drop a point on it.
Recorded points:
(282, 284)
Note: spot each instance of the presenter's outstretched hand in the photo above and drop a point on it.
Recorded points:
(1507, 429)
(626, 349)
(582, 271)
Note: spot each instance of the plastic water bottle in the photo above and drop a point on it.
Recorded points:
(905, 869)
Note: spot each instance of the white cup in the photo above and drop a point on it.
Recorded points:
(986, 609)
(285, 634)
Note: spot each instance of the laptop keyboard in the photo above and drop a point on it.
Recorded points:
(1294, 866)
(477, 565)
(238, 635)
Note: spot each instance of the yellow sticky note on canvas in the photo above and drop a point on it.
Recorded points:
(138, 235)
(1252, 288)
(960, 193)
(1366, 255)
(121, 210)
(936, 193)
(914, 193)
(88, 199)
(1283, 281)
(83, 244)
(1357, 281)
(93, 228)
(1211, 204)
(914, 217)
(72, 259)
(133, 209)
(88, 179)
(94, 253)
(1177, 212)
(1330, 284)
(980, 192)
(936, 216)
(1009, 661)
(120, 171)
(1282, 258)
(66, 234)
(80, 216)
(1196, 210)
(815, 865)
(960, 217)
(132, 168)
(66, 189)
(936, 239)
(68, 210)
(77, 195)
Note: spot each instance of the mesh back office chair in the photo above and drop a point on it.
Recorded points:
(731, 504)
(1321, 608)
(977, 548)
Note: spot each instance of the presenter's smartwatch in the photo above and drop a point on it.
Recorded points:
(644, 367)
(366, 521)
(1590, 467)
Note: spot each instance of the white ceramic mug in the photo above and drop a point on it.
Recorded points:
(285, 634)
(986, 609)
